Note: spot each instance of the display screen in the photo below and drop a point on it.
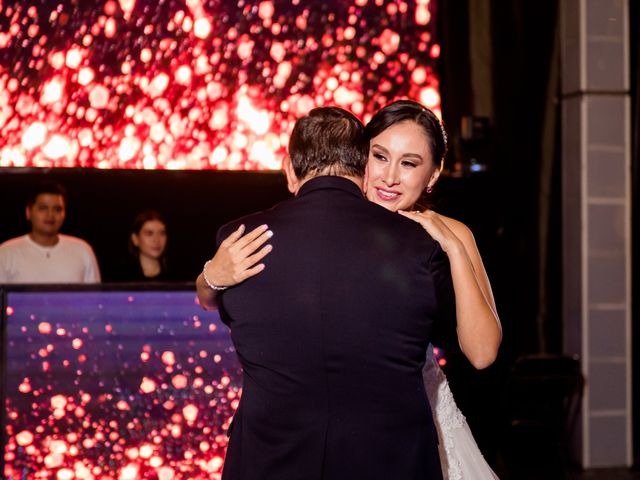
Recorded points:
(117, 385)
(198, 84)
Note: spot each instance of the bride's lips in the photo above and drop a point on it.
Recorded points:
(387, 195)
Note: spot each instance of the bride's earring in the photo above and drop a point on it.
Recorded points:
(432, 181)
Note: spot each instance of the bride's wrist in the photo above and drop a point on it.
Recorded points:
(453, 248)
(209, 280)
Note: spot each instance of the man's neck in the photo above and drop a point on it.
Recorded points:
(44, 240)
(359, 181)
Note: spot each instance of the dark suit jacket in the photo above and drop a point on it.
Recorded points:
(332, 338)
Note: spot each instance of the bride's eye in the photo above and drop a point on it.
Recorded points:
(409, 164)
(379, 156)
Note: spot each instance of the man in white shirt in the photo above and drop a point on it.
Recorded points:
(44, 255)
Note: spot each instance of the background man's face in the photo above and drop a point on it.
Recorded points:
(46, 214)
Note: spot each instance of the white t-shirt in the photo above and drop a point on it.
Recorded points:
(71, 260)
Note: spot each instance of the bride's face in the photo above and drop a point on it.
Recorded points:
(400, 166)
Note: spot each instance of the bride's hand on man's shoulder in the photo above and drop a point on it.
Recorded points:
(238, 256)
(438, 227)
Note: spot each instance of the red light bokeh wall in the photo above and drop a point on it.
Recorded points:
(198, 84)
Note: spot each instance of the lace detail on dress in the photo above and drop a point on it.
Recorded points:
(446, 414)
(460, 456)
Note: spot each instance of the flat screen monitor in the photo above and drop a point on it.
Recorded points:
(199, 84)
(115, 384)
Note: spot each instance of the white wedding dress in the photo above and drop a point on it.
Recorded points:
(459, 454)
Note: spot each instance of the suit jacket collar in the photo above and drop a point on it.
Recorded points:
(330, 182)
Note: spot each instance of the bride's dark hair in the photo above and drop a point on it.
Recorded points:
(404, 110)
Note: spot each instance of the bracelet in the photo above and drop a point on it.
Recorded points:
(204, 274)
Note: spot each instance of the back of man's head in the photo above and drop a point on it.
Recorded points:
(51, 188)
(328, 141)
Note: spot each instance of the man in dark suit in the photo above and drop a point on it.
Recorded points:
(332, 334)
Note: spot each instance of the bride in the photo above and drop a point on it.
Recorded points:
(406, 154)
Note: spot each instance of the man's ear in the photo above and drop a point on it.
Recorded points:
(27, 213)
(293, 184)
(135, 240)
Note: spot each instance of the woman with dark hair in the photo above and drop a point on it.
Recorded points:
(147, 246)
(407, 146)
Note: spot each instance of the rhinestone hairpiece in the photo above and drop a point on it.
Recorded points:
(444, 133)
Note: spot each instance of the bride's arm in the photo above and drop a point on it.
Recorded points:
(478, 325)
(235, 260)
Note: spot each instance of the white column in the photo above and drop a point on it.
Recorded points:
(596, 209)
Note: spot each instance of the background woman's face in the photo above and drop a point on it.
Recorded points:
(152, 239)
(400, 166)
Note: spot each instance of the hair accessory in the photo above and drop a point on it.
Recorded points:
(204, 274)
(445, 138)
(444, 134)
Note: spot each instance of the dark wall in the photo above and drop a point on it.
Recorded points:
(523, 39)
(507, 219)
(103, 203)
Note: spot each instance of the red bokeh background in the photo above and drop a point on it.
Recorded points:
(198, 84)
